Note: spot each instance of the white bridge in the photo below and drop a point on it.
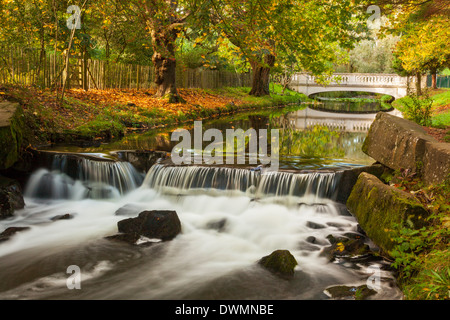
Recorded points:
(349, 122)
(390, 84)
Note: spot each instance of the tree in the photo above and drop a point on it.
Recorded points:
(164, 20)
(371, 56)
(423, 25)
(313, 31)
(425, 47)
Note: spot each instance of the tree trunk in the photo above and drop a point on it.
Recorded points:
(418, 83)
(433, 80)
(165, 65)
(261, 79)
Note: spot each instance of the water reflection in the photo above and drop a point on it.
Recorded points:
(309, 139)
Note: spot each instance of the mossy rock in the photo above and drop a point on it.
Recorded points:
(379, 208)
(347, 248)
(11, 135)
(280, 262)
(11, 198)
(350, 292)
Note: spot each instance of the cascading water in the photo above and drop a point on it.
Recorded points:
(78, 178)
(229, 221)
(257, 184)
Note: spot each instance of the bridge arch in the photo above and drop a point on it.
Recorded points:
(389, 91)
(390, 84)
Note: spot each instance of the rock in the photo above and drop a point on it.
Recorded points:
(66, 216)
(396, 142)
(343, 247)
(314, 225)
(142, 160)
(349, 292)
(349, 177)
(5, 235)
(11, 136)
(218, 225)
(159, 224)
(11, 197)
(130, 238)
(436, 163)
(307, 246)
(128, 210)
(279, 262)
(379, 207)
(311, 239)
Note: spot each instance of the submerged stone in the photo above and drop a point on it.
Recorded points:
(218, 225)
(280, 262)
(314, 225)
(66, 216)
(5, 235)
(343, 247)
(349, 292)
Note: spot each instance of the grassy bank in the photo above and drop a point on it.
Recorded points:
(440, 112)
(107, 114)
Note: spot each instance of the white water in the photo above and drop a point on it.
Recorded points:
(203, 262)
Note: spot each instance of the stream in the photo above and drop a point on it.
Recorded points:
(230, 216)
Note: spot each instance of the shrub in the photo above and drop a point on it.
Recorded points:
(418, 108)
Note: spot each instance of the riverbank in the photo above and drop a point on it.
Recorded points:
(107, 114)
(440, 113)
(406, 208)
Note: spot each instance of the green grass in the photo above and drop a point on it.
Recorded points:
(440, 98)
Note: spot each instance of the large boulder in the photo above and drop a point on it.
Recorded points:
(396, 142)
(156, 224)
(436, 163)
(11, 197)
(379, 207)
(279, 262)
(349, 177)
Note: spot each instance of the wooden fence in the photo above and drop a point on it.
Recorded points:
(31, 66)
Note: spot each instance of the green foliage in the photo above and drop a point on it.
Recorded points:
(100, 128)
(418, 108)
(438, 120)
(371, 56)
(421, 255)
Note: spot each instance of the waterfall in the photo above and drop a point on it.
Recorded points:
(195, 179)
(75, 177)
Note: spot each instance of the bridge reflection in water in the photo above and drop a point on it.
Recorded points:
(349, 122)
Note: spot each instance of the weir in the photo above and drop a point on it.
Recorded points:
(192, 179)
(77, 178)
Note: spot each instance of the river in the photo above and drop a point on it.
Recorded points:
(230, 217)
